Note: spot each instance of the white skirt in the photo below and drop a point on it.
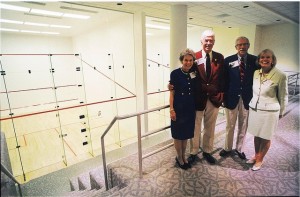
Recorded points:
(262, 123)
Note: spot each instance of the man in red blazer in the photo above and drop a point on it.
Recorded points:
(209, 96)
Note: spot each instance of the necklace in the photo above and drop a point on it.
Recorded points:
(186, 73)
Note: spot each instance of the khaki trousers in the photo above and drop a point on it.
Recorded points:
(231, 116)
(209, 117)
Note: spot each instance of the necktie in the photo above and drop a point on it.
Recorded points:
(242, 69)
(208, 66)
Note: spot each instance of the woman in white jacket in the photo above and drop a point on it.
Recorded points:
(270, 97)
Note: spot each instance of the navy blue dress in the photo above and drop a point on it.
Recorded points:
(184, 104)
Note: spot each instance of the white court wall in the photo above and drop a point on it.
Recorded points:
(110, 49)
(22, 43)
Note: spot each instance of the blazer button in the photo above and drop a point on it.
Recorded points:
(207, 84)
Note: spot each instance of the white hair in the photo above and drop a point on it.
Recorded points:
(206, 33)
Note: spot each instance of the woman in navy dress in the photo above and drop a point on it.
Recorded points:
(182, 105)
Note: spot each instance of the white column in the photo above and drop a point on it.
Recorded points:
(140, 65)
(178, 33)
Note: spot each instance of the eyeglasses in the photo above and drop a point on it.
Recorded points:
(242, 44)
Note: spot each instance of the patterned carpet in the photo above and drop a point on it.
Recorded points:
(231, 176)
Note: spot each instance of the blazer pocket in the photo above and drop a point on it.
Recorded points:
(269, 106)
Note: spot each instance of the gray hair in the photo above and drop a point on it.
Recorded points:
(240, 38)
(185, 52)
(206, 33)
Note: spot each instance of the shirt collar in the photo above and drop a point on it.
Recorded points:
(204, 54)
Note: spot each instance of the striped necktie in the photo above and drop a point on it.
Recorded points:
(242, 69)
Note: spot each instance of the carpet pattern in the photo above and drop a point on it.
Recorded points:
(231, 176)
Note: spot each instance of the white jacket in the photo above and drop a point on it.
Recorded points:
(272, 93)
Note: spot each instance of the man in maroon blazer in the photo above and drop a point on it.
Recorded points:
(209, 96)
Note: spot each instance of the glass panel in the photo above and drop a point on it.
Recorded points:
(71, 104)
(31, 97)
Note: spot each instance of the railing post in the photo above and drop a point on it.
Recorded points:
(139, 134)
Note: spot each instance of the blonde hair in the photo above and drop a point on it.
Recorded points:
(274, 59)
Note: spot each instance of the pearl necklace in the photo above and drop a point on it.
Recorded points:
(186, 73)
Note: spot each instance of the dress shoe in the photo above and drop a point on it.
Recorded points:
(188, 165)
(192, 158)
(251, 161)
(224, 153)
(240, 154)
(182, 166)
(209, 158)
(257, 167)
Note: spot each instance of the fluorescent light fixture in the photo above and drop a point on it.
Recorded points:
(10, 21)
(45, 12)
(6, 29)
(46, 32)
(149, 34)
(76, 16)
(36, 24)
(13, 7)
(157, 27)
(28, 31)
(60, 26)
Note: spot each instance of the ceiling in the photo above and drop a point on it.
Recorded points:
(203, 13)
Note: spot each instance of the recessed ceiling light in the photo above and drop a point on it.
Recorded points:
(10, 21)
(46, 32)
(76, 16)
(60, 26)
(6, 29)
(246, 6)
(229, 27)
(13, 7)
(119, 3)
(28, 31)
(36, 24)
(46, 12)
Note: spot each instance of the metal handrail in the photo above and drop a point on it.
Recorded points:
(293, 78)
(138, 114)
(3, 169)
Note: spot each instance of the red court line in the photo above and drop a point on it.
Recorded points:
(42, 112)
(39, 104)
(8, 54)
(25, 90)
(158, 92)
(107, 77)
(158, 63)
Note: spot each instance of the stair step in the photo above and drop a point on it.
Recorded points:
(97, 178)
(74, 184)
(84, 182)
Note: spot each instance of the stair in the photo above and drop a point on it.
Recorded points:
(7, 185)
(120, 174)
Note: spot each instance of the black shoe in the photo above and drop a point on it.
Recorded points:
(241, 155)
(188, 165)
(224, 153)
(183, 166)
(209, 158)
(192, 158)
